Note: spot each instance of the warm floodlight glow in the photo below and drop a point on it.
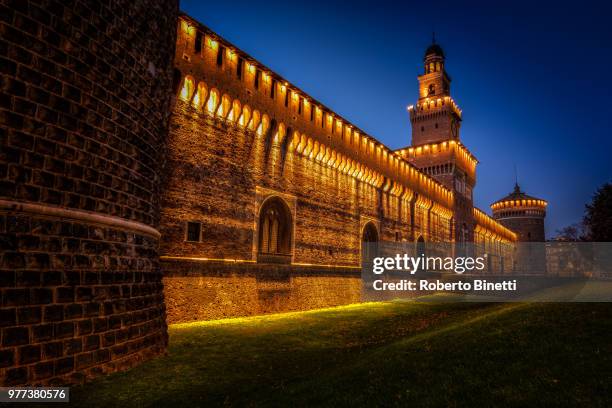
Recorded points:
(187, 90)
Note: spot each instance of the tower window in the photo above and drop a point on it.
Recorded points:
(257, 75)
(286, 97)
(198, 42)
(422, 128)
(436, 125)
(273, 89)
(193, 231)
(431, 90)
(220, 52)
(239, 68)
(312, 112)
(300, 104)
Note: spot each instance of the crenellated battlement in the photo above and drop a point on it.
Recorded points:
(434, 106)
(222, 81)
(461, 155)
(530, 203)
(490, 228)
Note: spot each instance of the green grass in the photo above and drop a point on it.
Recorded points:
(393, 353)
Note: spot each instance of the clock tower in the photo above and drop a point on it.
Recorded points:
(436, 147)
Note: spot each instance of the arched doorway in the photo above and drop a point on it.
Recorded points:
(420, 246)
(275, 232)
(369, 242)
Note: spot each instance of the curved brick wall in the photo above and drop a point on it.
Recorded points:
(86, 89)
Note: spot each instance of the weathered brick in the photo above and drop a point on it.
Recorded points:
(16, 376)
(29, 315)
(53, 349)
(53, 313)
(72, 139)
(43, 332)
(92, 342)
(29, 354)
(43, 370)
(64, 365)
(15, 336)
(8, 317)
(7, 357)
(15, 297)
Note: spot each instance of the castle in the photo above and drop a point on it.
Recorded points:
(152, 172)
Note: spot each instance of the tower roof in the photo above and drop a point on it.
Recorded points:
(516, 195)
(434, 49)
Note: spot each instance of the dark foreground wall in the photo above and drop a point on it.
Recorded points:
(201, 290)
(84, 108)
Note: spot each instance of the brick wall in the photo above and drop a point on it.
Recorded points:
(83, 119)
(219, 174)
(197, 290)
(527, 228)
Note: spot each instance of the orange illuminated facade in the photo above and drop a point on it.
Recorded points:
(522, 213)
(270, 193)
(227, 101)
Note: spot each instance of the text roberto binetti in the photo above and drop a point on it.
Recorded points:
(459, 265)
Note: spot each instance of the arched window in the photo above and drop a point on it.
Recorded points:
(275, 230)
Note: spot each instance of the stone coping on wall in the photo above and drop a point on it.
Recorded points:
(10, 206)
(184, 267)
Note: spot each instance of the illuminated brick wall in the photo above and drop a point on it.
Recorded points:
(220, 174)
(241, 134)
(332, 176)
(198, 290)
(83, 121)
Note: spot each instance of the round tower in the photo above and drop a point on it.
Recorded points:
(86, 100)
(523, 214)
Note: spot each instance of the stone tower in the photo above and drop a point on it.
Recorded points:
(84, 114)
(436, 147)
(523, 214)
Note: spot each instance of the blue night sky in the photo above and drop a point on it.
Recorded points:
(532, 79)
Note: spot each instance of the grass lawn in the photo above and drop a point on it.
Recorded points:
(395, 353)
